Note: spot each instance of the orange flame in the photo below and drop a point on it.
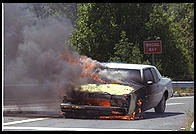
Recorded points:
(139, 102)
(86, 64)
(99, 102)
(116, 114)
(88, 67)
(126, 117)
(67, 57)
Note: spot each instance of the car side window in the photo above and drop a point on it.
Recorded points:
(157, 79)
(148, 75)
(158, 73)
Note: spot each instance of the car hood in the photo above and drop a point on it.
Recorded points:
(113, 89)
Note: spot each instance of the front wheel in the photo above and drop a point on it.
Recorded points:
(160, 108)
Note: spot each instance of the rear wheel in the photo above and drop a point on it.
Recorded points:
(160, 108)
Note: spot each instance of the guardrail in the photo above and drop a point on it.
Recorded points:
(183, 84)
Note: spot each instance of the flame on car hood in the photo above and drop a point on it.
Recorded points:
(114, 89)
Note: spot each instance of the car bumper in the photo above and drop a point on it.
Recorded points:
(102, 110)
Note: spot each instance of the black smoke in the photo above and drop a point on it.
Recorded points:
(33, 67)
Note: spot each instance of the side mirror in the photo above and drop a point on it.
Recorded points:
(149, 82)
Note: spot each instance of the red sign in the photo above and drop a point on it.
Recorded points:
(152, 47)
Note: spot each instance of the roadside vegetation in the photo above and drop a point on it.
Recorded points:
(121, 29)
(114, 32)
(189, 119)
(184, 91)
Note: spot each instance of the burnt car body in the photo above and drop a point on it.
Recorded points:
(128, 84)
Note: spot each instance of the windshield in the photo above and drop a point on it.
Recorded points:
(129, 77)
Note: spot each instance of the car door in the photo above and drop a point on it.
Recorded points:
(157, 91)
(152, 94)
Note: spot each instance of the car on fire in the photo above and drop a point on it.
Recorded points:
(126, 89)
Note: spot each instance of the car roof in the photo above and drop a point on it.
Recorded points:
(126, 66)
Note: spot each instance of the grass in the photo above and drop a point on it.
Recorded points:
(184, 90)
(189, 113)
(189, 120)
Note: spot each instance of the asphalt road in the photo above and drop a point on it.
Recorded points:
(38, 117)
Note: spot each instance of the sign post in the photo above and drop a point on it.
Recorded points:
(152, 47)
(153, 63)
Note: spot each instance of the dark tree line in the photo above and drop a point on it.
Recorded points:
(115, 32)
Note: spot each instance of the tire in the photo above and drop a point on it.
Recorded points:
(160, 108)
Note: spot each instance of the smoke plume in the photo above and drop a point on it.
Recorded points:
(34, 69)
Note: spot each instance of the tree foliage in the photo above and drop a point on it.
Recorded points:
(127, 52)
(99, 27)
(168, 25)
(44, 10)
(183, 31)
(116, 31)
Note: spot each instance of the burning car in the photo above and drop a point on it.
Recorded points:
(123, 91)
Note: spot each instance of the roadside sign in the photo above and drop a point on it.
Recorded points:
(152, 47)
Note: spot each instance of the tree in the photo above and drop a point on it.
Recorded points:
(60, 10)
(162, 25)
(99, 26)
(183, 30)
(116, 31)
(127, 52)
(94, 32)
